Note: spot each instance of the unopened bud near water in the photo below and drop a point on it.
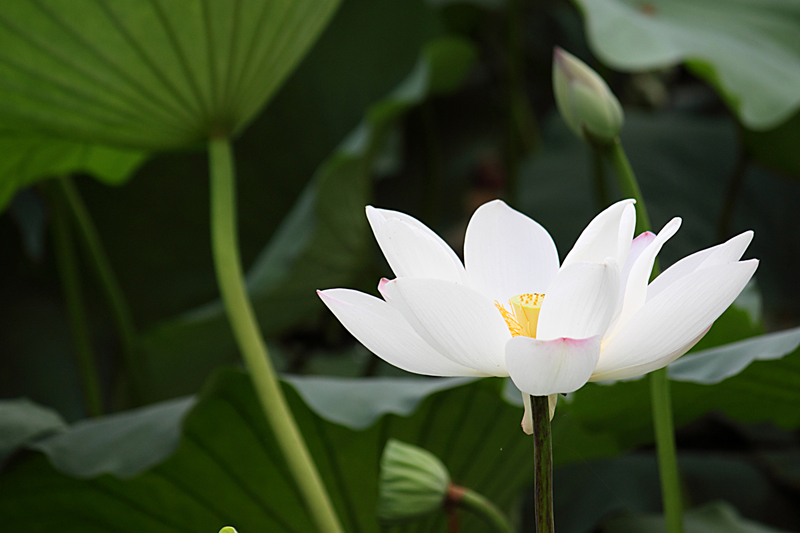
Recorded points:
(584, 100)
(413, 482)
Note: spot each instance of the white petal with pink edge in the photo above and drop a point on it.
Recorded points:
(635, 293)
(671, 320)
(609, 234)
(639, 244)
(580, 302)
(506, 253)
(384, 332)
(459, 322)
(541, 368)
(412, 249)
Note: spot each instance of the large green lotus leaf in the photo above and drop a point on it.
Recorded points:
(157, 75)
(748, 49)
(155, 228)
(23, 421)
(323, 242)
(26, 159)
(225, 468)
(714, 365)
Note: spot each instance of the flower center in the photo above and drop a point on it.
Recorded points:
(524, 314)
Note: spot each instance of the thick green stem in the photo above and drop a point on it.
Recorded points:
(67, 261)
(542, 464)
(487, 511)
(628, 184)
(659, 382)
(224, 239)
(120, 311)
(665, 445)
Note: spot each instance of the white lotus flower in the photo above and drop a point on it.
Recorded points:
(510, 309)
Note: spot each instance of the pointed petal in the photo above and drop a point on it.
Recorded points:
(638, 246)
(412, 249)
(385, 332)
(527, 417)
(552, 401)
(670, 321)
(608, 235)
(727, 252)
(636, 286)
(542, 368)
(459, 322)
(507, 253)
(580, 302)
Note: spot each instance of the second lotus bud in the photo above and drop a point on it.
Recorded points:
(584, 99)
(413, 482)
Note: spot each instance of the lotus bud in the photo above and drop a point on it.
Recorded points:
(584, 100)
(413, 482)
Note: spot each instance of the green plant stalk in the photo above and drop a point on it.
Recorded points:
(67, 262)
(542, 464)
(659, 382)
(120, 311)
(485, 510)
(224, 240)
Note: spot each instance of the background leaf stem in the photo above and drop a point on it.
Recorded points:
(228, 268)
(120, 311)
(659, 381)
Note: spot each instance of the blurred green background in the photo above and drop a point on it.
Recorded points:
(430, 108)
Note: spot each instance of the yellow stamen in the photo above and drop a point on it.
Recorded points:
(511, 322)
(524, 314)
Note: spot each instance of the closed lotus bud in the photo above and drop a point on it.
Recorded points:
(413, 482)
(584, 100)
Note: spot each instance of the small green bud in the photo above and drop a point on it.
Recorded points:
(413, 482)
(227, 529)
(584, 100)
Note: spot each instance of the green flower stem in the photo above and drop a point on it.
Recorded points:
(224, 239)
(665, 445)
(67, 262)
(542, 464)
(487, 511)
(119, 306)
(628, 183)
(659, 382)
